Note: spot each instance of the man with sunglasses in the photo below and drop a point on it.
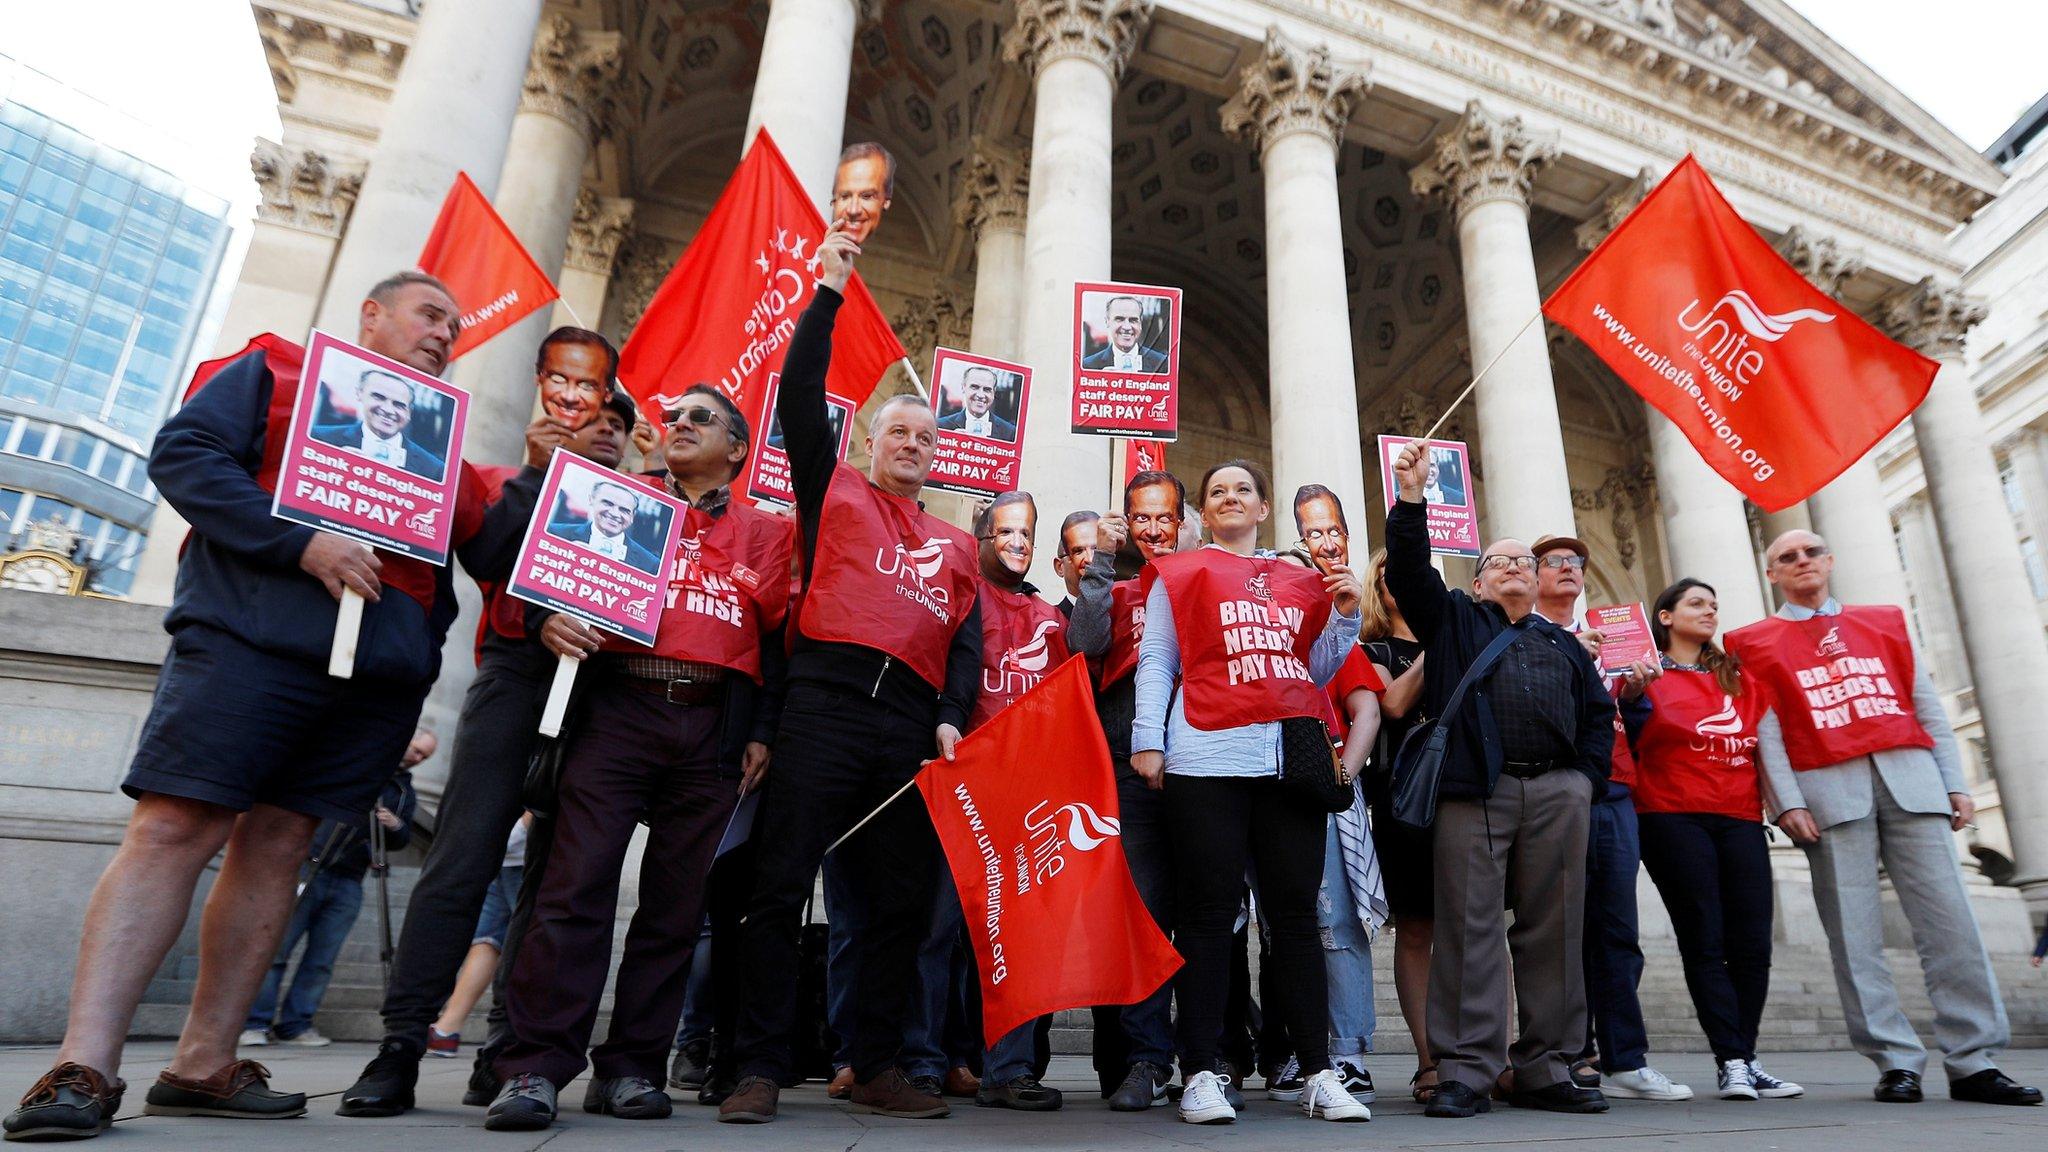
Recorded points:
(1528, 751)
(1860, 766)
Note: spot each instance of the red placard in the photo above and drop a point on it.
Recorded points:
(981, 404)
(596, 547)
(768, 467)
(1624, 636)
(1453, 516)
(374, 452)
(1126, 360)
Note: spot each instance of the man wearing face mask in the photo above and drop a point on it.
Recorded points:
(862, 188)
(1528, 751)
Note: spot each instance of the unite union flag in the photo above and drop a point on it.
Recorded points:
(488, 271)
(725, 313)
(1778, 385)
(1027, 814)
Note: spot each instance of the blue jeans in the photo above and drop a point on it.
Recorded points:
(930, 1048)
(1614, 958)
(697, 1013)
(1347, 958)
(499, 900)
(324, 915)
(844, 918)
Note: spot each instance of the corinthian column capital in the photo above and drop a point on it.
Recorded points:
(304, 190)
(1105, 31)
(1591, 233)
(994, 194)
(597, 231)
(1931, 317)
(572, 74)
(1291, 88)
(1483, 159)
(1823, 261)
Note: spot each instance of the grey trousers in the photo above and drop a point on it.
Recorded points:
(1919, 855)
(1523, 849)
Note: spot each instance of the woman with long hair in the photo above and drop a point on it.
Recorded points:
(1235, 643)
(1699, 803)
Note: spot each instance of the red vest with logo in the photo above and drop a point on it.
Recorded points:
(1698, 750)
(1022, 639)
(1621, 765)
(728, 588)
(1246, 625)
(1126, 629)
(1842, 685)
(888, 575)
(502, 614)
(1357, 672)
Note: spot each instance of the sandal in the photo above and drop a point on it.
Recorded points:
(1423, 1093)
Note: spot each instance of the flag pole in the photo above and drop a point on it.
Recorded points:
(571, 310)
(1482, 375)
(916, 383)
(893, 797)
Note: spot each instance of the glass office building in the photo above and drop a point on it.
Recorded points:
(106, 263)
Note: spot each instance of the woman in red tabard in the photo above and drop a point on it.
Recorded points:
(1235, 641)
(1700, 808)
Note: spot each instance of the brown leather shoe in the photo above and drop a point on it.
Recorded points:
(842, 1084)
(238, 1091)
(891, 1095)
(961, 1081)
(70, 1102)
(752, 1102)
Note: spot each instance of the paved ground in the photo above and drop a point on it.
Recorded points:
(1837, 1113)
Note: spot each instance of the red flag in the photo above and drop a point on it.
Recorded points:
(1143, 456)
(725, 314)
(1777, 384)
(486, 268)
(1051, 907)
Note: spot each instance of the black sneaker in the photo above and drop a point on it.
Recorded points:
(1284, 1083)
(70, 1102)
(692, 1064)
(1357, 1081)
(627, 1097)
(483, 1086)
(929, 1085)
(386, 1086)
(239, 1091)
(525, 1104)
(1227, 1072)
(1144, 1087)
(1025, 1094)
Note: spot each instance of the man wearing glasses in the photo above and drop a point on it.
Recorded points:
(1528, 751)
(1860, 765)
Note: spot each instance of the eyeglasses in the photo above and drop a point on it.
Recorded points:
(1793, 555)
(1503, 563)
(1570, 560)
(697, 415)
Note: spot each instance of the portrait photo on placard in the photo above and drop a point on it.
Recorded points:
(611, 517)
(376, 413)
(835, 412)
(1445, 485)
(1125, 331)
(979, 400)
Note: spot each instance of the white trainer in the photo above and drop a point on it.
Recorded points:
(310, 1038)
(1202, 1102)
(253, 1038)
(1770, 1087)
(1734, 1081)
(1325, 1093)
(1644, 1083)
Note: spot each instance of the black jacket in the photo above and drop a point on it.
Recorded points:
(343, 848)
(1454, 628)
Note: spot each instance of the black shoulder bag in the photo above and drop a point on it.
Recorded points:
(1419, 765)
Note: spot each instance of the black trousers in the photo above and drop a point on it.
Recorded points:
(1220, 824)
(635, 757)
(836, 758)
(493, 740)
(1714, 873)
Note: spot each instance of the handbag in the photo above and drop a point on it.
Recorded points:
(1311, 766)
(1419, 765)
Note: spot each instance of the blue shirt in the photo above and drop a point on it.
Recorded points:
(1828, 607)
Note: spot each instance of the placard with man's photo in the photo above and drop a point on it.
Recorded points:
(1126, 360)
(980, 403)
(597, 548)
(768, 477)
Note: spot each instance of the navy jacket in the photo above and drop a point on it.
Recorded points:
(240, 571)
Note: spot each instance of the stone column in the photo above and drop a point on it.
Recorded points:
(1483, 168)
(569, 76)
(994, 200)
(1293, 105)
(2030, 473)
(1706, 526)
(1934, 606)
(451, 112)
(800, 85)
(1075, 51)
(2001, 634)
(597, 232)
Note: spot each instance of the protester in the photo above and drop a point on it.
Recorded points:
(486, 946)
(330, 898)
(249, 742)
(1613, 952)
(1133, 1043)
(1352, 903)
(494, 737)
(882, 675)
(1077, 548)
(1209, 717)
(1527, 752)
(1882, 780)
(1697, 796)
(673, 736)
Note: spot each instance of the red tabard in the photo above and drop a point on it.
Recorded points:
(1621, 766)
(1842, 685)
(1699, 748)
(1126, 629)
(1246, 624)
(889, 576)
(1022, 638)
(728, 588)
(1356, 673)
(502, 614)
